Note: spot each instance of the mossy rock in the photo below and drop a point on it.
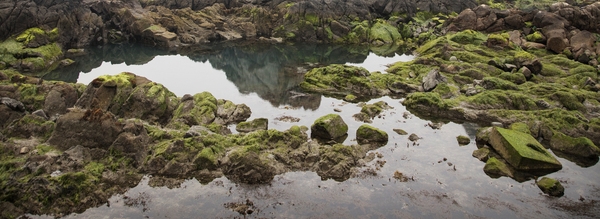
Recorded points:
(383, 33)
(551, 186)
(369, 134)
(483, 154)
(329, 127)
(522, 151)
(463, 140)
(468, 37)
(341, 80)
(250, 126)
(521, 127)
(496, 168)
(581, 146)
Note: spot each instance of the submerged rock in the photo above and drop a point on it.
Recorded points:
(522, 151)
(329, 127)
(551, 187)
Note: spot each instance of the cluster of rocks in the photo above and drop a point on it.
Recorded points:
(562, 28)
(171, 24)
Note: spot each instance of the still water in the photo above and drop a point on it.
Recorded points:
(446, 181)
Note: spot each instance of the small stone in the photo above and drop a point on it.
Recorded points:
(453, 59)
(482, 154)
(24, 150)
(413, 137)
(463, 140)
(400, 131)
(435, 125)
(40, 113)
(337, 110)
(551, 187)
(497, 124)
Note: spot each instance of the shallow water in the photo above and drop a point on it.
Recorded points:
(446, 181)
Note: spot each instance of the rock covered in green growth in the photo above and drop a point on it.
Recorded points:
(30, 126)
(383, 33)
(369, 111)
(130, 96)
(536, 36)
(468, 37)
(336, 162)
(463, 140)
(329, 127)
(580, 146)
(429, 99)
(483, 154)
(249, 167)
(520, 126)
(491, 83)
(250, 126)
(522, 151)
(229, 112)
(35, 37)
(342, 80)
(497, 40)
(551, 187)
(568, 100)
(196, 110)
(496, 168)
(369, 134)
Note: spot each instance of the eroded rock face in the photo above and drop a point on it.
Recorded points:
(89, 128)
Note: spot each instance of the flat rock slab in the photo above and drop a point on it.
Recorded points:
(522, 151)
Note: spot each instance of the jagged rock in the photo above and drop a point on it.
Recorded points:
(197, 130)
(12, 104)
(250, 126)
(551, 187)
(432, 79)
(88, 128)
(60, 97)
(40, 113)
(483, 154)
(129, 96)
(132, 142)
(467, 19)
(30, 126)
(521, 150)
(248, 168)
(329, 127)
(369, 134)
(79, 154)
(228, 112)
(582, 46)
(581, 146)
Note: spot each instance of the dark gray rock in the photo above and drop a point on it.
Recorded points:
(432, 79)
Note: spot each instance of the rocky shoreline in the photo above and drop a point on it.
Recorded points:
(67, 147)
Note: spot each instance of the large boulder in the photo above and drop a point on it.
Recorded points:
(248, 167)
(329, 127)
(522, 151)
(88, 128)
(582, 46)
(129, 96)
(229, 112)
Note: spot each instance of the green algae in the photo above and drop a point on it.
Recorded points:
(521, 150)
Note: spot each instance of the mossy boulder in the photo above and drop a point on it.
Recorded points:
(383, 33)
(520, 126)
(496, 168)
(522, 151)
(580, 146)
(199, 109)
(369, 134)
(249, 167)
(329, 127)
(250, 126)
(369, 111)
(336, 162)
(551, 187)
(129, 96)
